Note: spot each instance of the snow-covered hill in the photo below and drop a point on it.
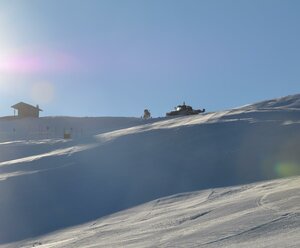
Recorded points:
(47, 183)
(54, 127)
(265, 214)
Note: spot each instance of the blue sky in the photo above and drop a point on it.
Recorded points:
(115, 58)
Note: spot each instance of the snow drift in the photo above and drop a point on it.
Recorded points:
(50, 184)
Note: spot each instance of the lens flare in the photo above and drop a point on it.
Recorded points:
(33, 63)
(43, 92)
(287, 169)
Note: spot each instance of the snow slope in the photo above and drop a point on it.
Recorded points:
(54, 127)
(265, 214)
(47, 183)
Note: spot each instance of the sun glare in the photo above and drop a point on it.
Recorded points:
(4, 86)
(42, 92)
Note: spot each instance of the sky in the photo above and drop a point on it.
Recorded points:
(118, 57)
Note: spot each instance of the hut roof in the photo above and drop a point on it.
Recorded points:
(26, 105)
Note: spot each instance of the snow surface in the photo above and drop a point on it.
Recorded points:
(265, 214)
(112, 164)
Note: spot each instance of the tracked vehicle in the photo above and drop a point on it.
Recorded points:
(185, 110)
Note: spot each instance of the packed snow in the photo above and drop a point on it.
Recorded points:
(265, 214)
(68, 193)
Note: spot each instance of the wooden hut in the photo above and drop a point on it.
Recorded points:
(25, 110)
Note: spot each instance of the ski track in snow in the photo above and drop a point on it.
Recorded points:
(193, 220)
